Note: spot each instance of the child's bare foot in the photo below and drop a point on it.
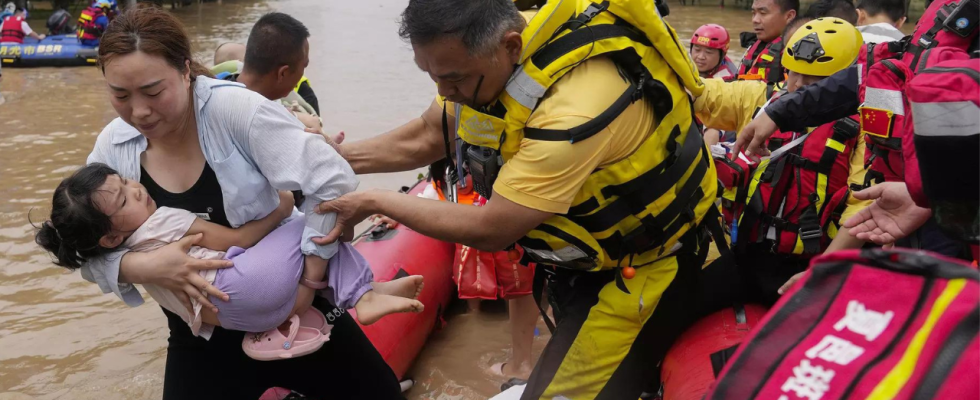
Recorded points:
(373, 305)
(409, 287)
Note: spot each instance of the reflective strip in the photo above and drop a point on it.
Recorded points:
(900, 375)
(524, 89)
(835, 145)
(958, 118)
(884, 99)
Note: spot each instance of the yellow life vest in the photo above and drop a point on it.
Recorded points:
(633, 211)
(300, 83)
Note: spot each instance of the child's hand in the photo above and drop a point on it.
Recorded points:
(286, 203)
(331, 139)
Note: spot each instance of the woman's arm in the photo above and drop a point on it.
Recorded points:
(220, 238)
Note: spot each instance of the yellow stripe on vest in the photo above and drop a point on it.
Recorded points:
(835, 145)
(899, 376)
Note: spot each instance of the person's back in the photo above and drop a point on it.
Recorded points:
(880, 20)
(92, 22)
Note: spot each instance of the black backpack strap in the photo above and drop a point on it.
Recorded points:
(595, 125)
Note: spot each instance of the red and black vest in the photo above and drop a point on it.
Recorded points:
(87, 28)
(760, 58)
(793, 200)
(763, 62)
(12, 30)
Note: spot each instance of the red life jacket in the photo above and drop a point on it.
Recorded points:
(12, 30)
(943, 135)
(725, 70)
(886, 68)
(764, 63)
(801, 193)
(885, 114)
(87, 28)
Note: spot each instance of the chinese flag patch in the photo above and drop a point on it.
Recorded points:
(877, 122)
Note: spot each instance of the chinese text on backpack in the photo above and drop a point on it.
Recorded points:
(872, 324)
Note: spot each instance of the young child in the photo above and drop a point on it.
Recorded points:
(95, 211)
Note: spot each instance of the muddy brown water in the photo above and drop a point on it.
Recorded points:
(60, 338)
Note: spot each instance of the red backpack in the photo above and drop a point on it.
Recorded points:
(885, 115)
(943, 133)
(865, 324)
(801, 193)
(885, 69)
(87, 28)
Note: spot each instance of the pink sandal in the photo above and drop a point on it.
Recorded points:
(313, 318)
(272, 345)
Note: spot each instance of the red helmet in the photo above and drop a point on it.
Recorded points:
(712, 36)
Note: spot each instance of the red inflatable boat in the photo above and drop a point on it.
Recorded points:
(400, 252)
(697, 357)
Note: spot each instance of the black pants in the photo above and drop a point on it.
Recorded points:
(347, 367)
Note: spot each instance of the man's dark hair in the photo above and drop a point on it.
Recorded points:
(792, 26)
(479, 24)
(786, 5)
(843, 9)
(895, 9)
(275, 40)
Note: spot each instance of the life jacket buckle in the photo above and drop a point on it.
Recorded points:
(591, 11)
(810, 234)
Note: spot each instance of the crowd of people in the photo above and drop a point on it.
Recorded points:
(606, 154)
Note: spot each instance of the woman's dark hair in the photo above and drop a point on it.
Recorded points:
(151, 30)
(76, 225)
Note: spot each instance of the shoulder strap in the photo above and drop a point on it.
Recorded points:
(594, 126)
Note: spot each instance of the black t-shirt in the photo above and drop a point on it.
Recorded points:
(203, 199)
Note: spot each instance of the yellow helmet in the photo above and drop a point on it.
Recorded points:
(822, 47)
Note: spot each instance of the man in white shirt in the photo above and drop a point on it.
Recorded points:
(880, 20)
(15, 28)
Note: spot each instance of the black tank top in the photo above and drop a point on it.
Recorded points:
(203, 199)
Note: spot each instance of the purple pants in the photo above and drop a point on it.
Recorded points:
(262, 285)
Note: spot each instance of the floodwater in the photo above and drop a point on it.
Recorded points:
(60, 338)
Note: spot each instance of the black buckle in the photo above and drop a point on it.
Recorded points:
(591, 11)
(808, 49)
(638, 93)
(808, 234)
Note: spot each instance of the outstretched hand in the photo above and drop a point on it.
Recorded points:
(892, 216)
(752, 139)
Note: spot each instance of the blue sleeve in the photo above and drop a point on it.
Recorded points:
(102, 21)
(828, 100)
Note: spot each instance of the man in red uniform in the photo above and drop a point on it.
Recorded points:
(15, 28)
(769, 19)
